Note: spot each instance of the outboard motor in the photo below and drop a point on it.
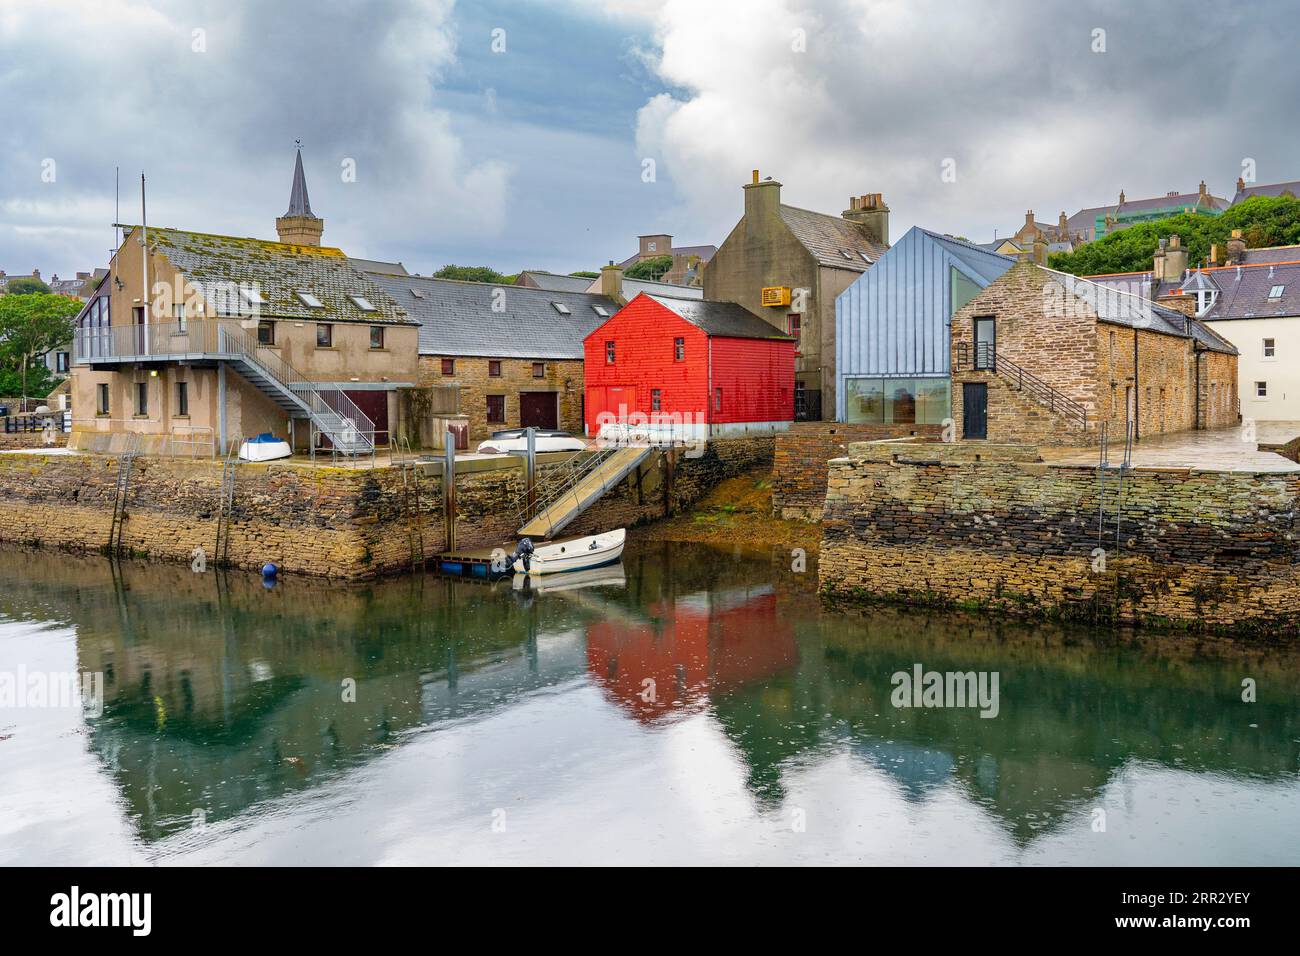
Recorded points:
(524, 553)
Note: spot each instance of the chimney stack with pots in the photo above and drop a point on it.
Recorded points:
(871, 213)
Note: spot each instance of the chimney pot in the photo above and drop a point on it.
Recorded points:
(755, 176)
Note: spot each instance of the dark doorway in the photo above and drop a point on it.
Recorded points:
(538, 410)
(374, 405)
(975, 410)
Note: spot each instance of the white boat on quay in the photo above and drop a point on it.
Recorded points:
(575, 554)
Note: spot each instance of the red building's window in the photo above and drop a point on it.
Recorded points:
(496, 409)
(655, 396)
(448, 366)
(717, 399)
(679, 350)
(609, 353)
(494, 369)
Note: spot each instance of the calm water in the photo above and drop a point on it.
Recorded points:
(495, 726)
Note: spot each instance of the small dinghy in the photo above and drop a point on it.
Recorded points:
(265, 447)
(576, 554)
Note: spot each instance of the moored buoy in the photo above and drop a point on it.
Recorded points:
(270, 570)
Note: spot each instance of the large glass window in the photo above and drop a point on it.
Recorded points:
(963, 290)
(897, 401)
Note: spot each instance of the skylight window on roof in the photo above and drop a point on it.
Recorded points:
(561, 308)
(601, 311)
(846, 254)
(417, 293)
(1276, 291)
(309, 300)
(865, 258)
(362, 303)
(251, 296)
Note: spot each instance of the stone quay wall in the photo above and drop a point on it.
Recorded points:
(326, 521)
(989, 526)
(799, 468)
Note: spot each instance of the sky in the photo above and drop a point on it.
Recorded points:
(550, 133)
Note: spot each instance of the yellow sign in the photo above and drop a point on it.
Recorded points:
(776, 295)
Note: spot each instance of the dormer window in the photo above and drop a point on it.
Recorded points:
(362, 303)
(309, 300)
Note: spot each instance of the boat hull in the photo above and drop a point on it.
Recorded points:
(576, 554)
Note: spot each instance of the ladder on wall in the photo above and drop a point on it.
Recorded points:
(1104, 467)
(411, 503)
(125, 464)
(226, 504)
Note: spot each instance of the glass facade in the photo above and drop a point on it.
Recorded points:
(897, 401)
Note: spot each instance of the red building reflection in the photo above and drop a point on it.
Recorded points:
(690, 649)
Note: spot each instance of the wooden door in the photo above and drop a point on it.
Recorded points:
(975, 410)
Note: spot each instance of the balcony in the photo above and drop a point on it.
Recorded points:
(197, 340)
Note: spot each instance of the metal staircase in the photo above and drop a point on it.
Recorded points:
(987, 359)
(574, 486)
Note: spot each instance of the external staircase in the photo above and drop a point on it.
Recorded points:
(985, 358)
(575, 485)
(330, 412)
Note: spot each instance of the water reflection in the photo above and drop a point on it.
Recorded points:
(244, 705)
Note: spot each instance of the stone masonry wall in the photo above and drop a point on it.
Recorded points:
(334, 522)
(993, 527)
(562, 377)
(801, 454)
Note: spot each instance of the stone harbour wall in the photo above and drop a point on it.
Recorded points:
(990, 526)
(332, 522)
(801, 454)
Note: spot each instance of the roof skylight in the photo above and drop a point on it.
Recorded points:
(362, 303)
(309, 300)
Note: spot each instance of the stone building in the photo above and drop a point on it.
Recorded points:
(515, 352)
(787, 265)
(1045, 358)
(196, 340)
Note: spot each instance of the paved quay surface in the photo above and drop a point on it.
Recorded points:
(1221, 449)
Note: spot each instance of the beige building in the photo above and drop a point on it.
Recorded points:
(787, 265)
(196, 341)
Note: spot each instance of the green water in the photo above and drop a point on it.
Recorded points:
(691, 706)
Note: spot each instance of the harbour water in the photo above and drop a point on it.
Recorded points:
(691, 705)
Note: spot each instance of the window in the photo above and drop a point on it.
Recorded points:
(651, 246)
(142, 398)
(1270, 348)
(656, 397)
(324, 336)
(448, 366)
(601, 311)
(309, 300)
(919, 401)
(101, 399)
(376, 336)
(265, 333)
(963, 290)
(362, 303)
(561, 308)
(496, 409)
(1276, 292)
(539, 370)
(417, 294)
(183, 399)
(61, 361)
(178, 313)
(679, 350)
(717, 399)
(1261, 389)
(609, 353)
(494, 368)
(794, 326)
(985, 342)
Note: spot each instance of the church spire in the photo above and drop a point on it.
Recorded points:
(299, 225)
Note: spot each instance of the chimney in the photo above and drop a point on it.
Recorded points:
(611, 282)
(1236, 248)
(1214, 254)
(1175, 261)
(1063, 226)
(762, 200)
(83, 275)
(1241, 184)
(871, 214)
(1040, 250)
(1204, 195)
(1121, 197)
(299, 226)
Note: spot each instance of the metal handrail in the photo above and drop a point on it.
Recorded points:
(567, 484)
(988, 359)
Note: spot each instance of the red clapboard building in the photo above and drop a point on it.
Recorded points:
(703, 369)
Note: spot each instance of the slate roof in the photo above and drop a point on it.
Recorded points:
(1244, 293)
(705, 252)
(725, 319)
(457, 318)
(634, 287)
(378, 265)
(834, 242)
(1271, 190)
(277, 270)
(1085, 220)
(555, 283)
(1271, 254)
(1121, 307)
(299, 204)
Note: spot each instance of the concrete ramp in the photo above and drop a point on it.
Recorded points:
(566, 504)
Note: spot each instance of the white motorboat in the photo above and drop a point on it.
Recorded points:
(516, 439)
(265, 447)
(576, 554)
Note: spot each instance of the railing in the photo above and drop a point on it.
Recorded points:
(807, 405)
(31, 422)
(162, 444)
(986, 358)
(150, 339)
(571, 474)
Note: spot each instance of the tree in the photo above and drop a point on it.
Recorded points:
(26, 285)
(652, 268)
(1263, 221)
(582, 274)
(473, 274)
(30, 325)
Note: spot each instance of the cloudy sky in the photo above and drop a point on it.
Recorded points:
(520, 133)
